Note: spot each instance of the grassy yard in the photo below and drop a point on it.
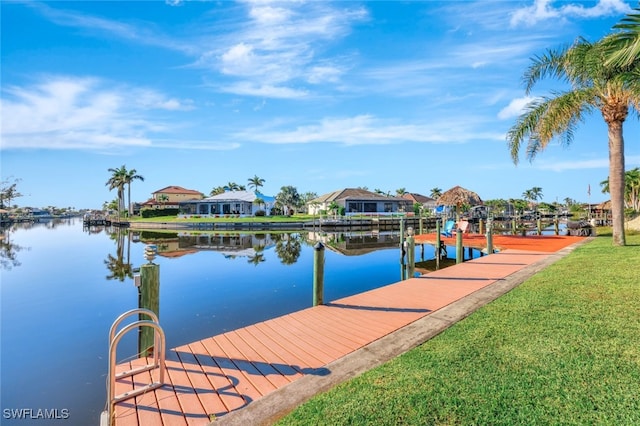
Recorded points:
(562, 348)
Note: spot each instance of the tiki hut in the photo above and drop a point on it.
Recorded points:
(458, 196)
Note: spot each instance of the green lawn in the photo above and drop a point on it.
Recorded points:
(562, 348)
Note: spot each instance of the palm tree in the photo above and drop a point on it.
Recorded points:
(8, 192)
(532, 195)
(129, 177)
(401, 191)
(624, 46)
(288, 198)
(334, 207)
(632, 180)
(217, 190)
(435, 193)
(258, 201)
(255, 182)
(117, 181)
(593, 85)
(632, 188)
(232, 186)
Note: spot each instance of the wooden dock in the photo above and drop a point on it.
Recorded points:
(222, 378)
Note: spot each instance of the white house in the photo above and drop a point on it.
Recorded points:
(239, 203)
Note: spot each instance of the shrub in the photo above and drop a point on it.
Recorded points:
(147, 213)
(260, 213)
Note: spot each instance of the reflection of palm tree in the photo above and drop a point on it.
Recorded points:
(8, 252)
(118, 268)
(256, 259)
(288, 249)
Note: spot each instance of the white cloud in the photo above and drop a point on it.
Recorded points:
(239, 60)
(601, 163)
(515, 107)
(324, 73)
(369, 130)
(72, 113)
(597, 163)
(266, 91)
(280, 47)
(543, 9)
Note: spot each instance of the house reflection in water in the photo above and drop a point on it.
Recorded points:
(230, 245)
(356, 243)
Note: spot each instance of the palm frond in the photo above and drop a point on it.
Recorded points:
(624, 46)
(546, 118)
(549, 64)
(525, 127)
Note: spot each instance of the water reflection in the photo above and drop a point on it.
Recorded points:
(209, 284)
(119, 268)
(288, 246)
(356, 243)
(9, 250)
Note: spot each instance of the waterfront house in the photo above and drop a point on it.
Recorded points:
(428, 204)
(170, 197)
(356, 201)
(238, 203)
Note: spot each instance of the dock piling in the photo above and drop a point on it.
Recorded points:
(459, 248)
(411, 253)
(318, 274)
(489, 236)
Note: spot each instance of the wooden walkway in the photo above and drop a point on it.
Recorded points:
(212, 377)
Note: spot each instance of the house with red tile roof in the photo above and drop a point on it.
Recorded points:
(171, 197)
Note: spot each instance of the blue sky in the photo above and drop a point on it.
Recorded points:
(317, 95)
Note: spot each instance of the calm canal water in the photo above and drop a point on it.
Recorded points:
(63, 286)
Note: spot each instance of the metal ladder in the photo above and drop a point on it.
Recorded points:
(107, 417)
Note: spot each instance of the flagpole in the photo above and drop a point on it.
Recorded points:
(589, 198)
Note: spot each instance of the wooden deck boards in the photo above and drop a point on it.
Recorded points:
(214, 376)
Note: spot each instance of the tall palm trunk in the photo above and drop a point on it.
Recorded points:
(616, 180)
(129, 210)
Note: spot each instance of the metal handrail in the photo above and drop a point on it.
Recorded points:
(158, 360)
(116, 323)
